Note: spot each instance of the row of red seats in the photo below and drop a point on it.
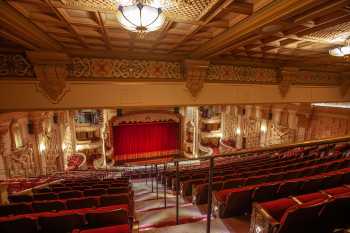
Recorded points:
(274, 165)
(200, 190)
(113, 217)
(67, 204)
(238, 201)
(320, 212)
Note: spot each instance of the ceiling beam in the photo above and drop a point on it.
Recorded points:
(17, 40)
(270, 13)
(12, 20)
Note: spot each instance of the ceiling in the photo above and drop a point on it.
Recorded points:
(266, 32)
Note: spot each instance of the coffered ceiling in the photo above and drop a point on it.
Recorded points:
(266, 32)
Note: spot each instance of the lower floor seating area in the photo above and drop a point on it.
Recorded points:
(83, 204)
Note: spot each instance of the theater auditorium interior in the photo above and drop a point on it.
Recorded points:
(174, 116)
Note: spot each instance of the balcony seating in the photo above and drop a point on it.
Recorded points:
(97, 219)
(320, 212)
(122, 228)
(45, 196)
(94, 192)
(15, 209)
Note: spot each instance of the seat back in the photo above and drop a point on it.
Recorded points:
(45, 196)
(15, 209)
(70, 194)
(42, 206)
(265, 192)
(60, 223)
(118, 190)
(20, 198)
(237, 203)
(79, 203)
(21, 225)
(288, 188)
(301, 218)
(311, 185)
(115, 199)
(233, 183)
(107, 218)
(94, 192)
(332, 181)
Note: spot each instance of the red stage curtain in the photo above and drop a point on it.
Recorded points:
(140, 140)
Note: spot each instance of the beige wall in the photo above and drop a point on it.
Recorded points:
(15, 95)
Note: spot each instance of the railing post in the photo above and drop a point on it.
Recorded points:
(177, 192)
(165, 184)
(210, 188)
(157, 180)
(152, 176)
(146, 173)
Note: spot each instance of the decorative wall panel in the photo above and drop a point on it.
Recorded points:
(15, 65)
(317, 78)
(241, 74)
(95, 68)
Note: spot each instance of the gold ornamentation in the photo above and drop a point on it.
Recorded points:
(316, 78)
(195, 72)
(288, 74)
(241, 74)
(15, 65)
(51, 71)
(97, 68)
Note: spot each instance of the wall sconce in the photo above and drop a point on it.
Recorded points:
(263, 127)
(42, 147)
(238, 131)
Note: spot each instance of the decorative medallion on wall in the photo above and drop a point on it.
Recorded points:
(95, 68)
(15, 65)
(241, 74)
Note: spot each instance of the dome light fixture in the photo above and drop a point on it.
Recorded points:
(140, 18)
(342, 51)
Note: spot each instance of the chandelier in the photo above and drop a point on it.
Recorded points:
(140, 17)
(342, 51)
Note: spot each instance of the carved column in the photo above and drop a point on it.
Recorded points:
(288, 74)
(196, 72)
(3, 131)
(35, 119)
(276, 114)
(51, 70)
(238, 130)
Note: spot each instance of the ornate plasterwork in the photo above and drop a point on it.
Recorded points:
(96, 68)
(242, 74)
(51, 70)
(15, 65)
(316, 78)
(196, 72)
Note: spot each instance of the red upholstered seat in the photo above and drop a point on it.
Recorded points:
(301, 218)
(79, 203)
(42, 206)
(70, 194)
(233, 183)
(20, 198)
(265, 192)
(115, 199)
(332, 180)
(311, 197)
(20, 225)
(118, 190)
(277, 208)
(337, 191)
(124, 228)
(15, 209)
(312, 185)
(94, 192)
(288, 188)
(45, 196)
(100, 218)
(59, 223)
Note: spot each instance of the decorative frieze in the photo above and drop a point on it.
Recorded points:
(97, 68)
(316, 78)
(241, 74)
(15, 65)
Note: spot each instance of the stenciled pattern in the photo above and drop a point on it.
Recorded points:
(241, 74)
(15, 65)
(96, 68)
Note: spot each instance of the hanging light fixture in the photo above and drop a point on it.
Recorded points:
(342, 51)
(140, 17)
